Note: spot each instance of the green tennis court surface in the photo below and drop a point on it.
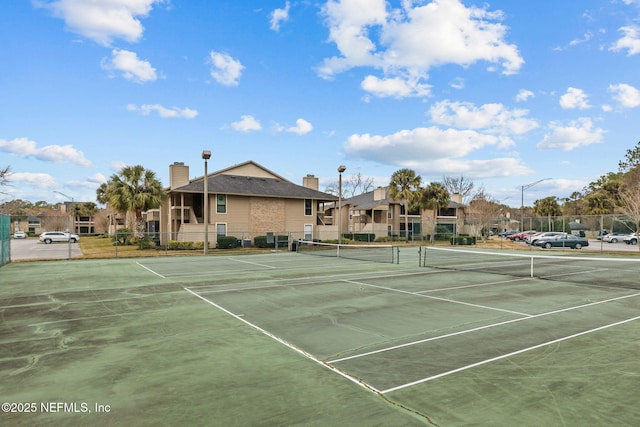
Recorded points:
(294, 339)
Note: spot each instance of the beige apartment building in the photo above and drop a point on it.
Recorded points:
(245, 200)
(376, 213)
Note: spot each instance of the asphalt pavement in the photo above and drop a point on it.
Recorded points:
(32, 248)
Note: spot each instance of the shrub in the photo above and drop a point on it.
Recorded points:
(177, 245)
(227, 242)
(122, 237)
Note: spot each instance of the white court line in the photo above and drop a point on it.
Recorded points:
(438, 298)
(287, 344)
(484, 362)
(254, 263)
(150, 270)
(453, 288)
(479, 328)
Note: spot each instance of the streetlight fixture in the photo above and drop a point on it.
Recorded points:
(525, 187)
(206, 155)
(72, 218)
(341, 169)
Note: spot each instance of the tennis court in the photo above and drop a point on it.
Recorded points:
(418, 337)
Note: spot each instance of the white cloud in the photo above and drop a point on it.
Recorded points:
(131, 68)
(422, 145)
(24, 147)
(524, 95)
(406, 43)
(278, 16)
(574, 98)
(477, 169)
(627, 95)
(577, 133)
(247, 124)
(630, 41)
(97, 178)
(302, 127)
(174, 112)
(102, 20)
(118, 165)
(225, 70)
(37, 180)
(395, 87)
(493, 118)
(434, 151)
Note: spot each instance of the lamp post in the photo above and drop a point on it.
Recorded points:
(206, 155)
(524, 187)
(341, 169)
(72, 220)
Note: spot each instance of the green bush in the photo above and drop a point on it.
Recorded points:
(122, 237)
(227, 242)
(176, 245)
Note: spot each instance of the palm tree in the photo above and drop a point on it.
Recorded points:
(547, 207)
(434, 197)
(403, 186)
(134, 190)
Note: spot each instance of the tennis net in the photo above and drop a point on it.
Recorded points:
(373, 253)
(595, 271)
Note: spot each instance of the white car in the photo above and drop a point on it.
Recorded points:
(58, 236)
(19, 235)
(614, 237)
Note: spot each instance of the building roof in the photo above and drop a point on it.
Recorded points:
(254, 186)
(366, 201)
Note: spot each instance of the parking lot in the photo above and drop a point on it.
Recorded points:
(599, 245)
(32, 248)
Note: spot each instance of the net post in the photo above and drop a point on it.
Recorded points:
(531, 274)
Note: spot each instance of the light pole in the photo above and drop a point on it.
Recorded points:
(524, 187)
(72, 219)
(341, 169)
(206, 155)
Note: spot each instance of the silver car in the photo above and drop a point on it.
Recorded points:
(58, 236)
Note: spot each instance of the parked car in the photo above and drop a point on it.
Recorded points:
(521, 236)
(614, 237)
(58, 236)
(19, 235)
(562, 240)
(631, 239)
(508, 233)
(535, 237)
(601, 234)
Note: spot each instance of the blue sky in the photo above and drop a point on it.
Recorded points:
(504, 93)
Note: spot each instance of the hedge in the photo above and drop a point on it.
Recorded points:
(227, 242)
(360, 237)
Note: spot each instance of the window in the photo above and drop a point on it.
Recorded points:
(308, 232)
(390, 212)
(221, 229)
(308, 210)
(221, 203)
